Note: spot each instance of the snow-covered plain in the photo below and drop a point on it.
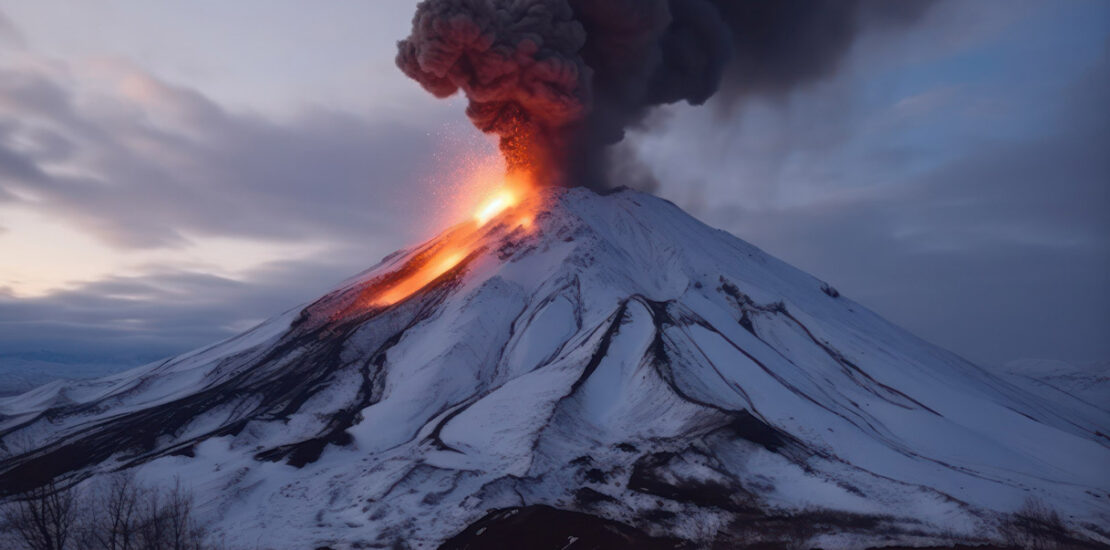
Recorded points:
(683, 376)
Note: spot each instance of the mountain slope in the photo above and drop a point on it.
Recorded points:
(615, 357)
(1082, 386)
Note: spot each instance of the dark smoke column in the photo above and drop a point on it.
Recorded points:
(517, 62)
(561, 80)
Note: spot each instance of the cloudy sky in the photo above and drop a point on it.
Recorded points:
(171, 173)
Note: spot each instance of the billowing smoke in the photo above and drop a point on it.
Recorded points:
(561, 80)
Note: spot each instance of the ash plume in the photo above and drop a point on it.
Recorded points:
(560, 80)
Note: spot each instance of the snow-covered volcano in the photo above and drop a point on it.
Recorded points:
(617, 359)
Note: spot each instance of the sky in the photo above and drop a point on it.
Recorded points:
(173, 173)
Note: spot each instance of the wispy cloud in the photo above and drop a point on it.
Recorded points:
(148, 166)
(133, 319)
(154, 162)
(10, 35)
(995, 246)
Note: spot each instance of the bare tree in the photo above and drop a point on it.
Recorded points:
(151, 527)
(183, 532)
(166, 521)
(1035, 526)
(43, 518)
(117, 514)
(112, 523)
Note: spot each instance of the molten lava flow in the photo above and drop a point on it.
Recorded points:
(454, 246)
(500, 201)
(437, 265)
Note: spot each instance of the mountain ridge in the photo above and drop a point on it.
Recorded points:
(614, 357)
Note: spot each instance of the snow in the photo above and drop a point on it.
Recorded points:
(618, 328)
(1086, 386)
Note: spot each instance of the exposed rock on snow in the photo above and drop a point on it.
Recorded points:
(618, 358)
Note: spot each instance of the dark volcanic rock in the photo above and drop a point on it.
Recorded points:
(543, 527)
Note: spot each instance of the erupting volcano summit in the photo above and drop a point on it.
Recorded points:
(613, 372)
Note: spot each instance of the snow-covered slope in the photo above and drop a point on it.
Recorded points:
(1083, 384)
(616, 357)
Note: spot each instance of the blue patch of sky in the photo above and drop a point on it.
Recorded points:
(1012, 87)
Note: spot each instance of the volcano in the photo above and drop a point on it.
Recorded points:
(613, 373)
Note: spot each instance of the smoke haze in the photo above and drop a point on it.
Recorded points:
(560, 80)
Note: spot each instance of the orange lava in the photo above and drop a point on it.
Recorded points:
(439, 264)
(456, 245)
(492, 207)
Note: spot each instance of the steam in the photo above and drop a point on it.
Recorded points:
(561, 80)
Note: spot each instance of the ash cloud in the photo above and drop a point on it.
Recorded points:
(561, 80)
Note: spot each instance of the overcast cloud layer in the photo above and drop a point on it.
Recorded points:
(952, 176)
